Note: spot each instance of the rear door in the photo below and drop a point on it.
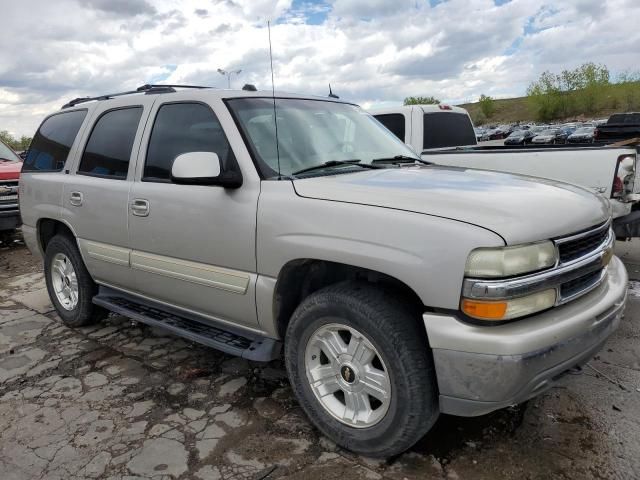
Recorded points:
(96, 193)
(193, 245)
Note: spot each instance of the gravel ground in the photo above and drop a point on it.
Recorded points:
(120, 400)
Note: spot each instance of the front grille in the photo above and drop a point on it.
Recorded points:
(8, 195)
(580, 284)
(582, 245)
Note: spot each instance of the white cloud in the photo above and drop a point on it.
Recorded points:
(371, 51)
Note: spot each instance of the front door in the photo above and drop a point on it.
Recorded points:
(193, 246)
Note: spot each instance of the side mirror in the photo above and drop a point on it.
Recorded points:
(203, 168)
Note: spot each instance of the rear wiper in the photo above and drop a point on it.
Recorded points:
(400, 159)
(335, 163)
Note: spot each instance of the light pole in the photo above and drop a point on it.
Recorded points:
(228, 74)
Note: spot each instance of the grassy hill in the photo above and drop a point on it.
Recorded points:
(615, 98)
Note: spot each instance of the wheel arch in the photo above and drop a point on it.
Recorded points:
(300, 278)
(47, 228)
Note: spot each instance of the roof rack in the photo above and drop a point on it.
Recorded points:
(148, 89)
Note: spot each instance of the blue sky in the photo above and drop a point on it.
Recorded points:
(373, 52)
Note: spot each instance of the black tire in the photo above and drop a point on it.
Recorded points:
(394, 330)
(85, 312)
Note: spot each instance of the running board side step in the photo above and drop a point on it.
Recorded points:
(256, 348)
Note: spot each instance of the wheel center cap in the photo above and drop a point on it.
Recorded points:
(347, 373)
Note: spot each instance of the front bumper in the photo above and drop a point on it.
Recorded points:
(484, 368)
(9, 219)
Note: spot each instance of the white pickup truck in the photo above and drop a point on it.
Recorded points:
(444, 135)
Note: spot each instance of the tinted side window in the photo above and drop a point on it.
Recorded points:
(446, 129)
(394, 122)
(50, 146)
(180, 128)
(109, 147)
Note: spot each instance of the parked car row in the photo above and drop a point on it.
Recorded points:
(549, 134)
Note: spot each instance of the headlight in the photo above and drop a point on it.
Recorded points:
(509, 309)
(509, 261)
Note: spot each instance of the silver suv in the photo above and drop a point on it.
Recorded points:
(300, 226)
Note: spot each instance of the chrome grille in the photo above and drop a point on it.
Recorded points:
(577, 246)
(580, 285)
(8, 195)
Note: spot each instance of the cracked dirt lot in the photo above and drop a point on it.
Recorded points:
(119, 400)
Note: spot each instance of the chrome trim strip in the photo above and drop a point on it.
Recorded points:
(230, 280)
(106, 253)
(577, 236)
(554, 278)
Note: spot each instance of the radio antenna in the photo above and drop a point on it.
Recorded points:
(273, 96)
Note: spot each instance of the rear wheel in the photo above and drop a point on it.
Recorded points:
(69, 284)
(361, 368)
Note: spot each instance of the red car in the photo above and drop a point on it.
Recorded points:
(10, 167)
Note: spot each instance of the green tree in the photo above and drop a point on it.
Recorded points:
(581, 90)
(544, 96)
(7, 138)
(19, 145)
(24, 142)
(594, 80)
(487, 105)
(628, 90)
(421, 101)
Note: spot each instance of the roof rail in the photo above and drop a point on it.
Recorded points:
(146, 88)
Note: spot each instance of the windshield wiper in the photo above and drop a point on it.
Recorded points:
(400, 159)
(335, 163)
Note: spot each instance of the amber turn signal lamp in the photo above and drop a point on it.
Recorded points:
(484, 310)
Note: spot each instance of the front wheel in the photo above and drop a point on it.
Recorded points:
(69, 284)
(361, 367)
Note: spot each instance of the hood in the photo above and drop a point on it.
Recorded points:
(10, 170)
(518, 208)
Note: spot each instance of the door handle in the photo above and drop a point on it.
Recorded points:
(140, 207)
(76, 199)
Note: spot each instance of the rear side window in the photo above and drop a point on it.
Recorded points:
(447, 129)
(109, 147)
(181, 128)
(394, 122)
(50, 146)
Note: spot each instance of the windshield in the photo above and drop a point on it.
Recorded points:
(548, 132)
(7, 154)
(584, 130)
(517, 133)
(312, 132)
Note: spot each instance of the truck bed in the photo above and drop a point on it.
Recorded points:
(592, 166)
